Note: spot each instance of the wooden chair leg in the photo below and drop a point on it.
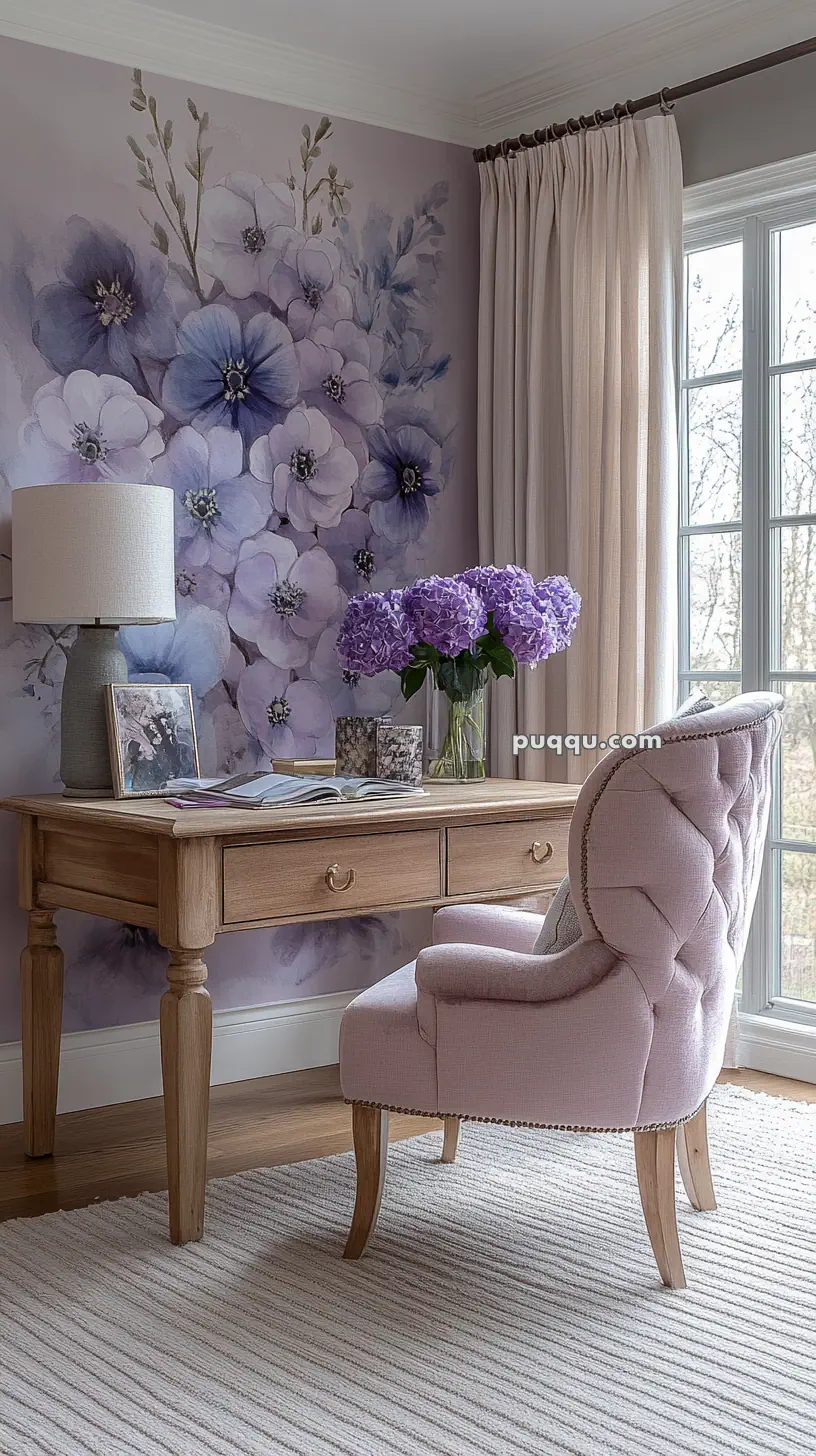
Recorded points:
(695, 1168)
(451, 1139)
(654, 1160)
(370, 1128)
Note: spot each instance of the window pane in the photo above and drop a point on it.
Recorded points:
(798, 606)
(797, 429)
(715, 564)
(799, 763)
(797, 293)
(798, 925)
(715, 453)
(714, 293)
(718, 692)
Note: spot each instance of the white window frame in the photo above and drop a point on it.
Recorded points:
(777, 1034)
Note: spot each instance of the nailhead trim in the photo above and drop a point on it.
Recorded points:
(506, 1122)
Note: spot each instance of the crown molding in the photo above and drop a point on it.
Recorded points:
(691, 38)
(132, 34)
(779, 184)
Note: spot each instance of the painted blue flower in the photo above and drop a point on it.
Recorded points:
(216, 506)
(404, 472)
(109, 312)
(194, 649)
(244, 375)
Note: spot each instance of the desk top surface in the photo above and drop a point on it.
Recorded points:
(444, 803)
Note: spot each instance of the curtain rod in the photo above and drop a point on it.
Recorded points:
(665, 99)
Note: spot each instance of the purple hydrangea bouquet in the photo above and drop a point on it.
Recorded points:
(460, 629)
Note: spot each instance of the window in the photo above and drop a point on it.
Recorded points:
(748, 523)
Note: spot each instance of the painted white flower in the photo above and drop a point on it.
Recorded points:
(305, 284)
(282, 600)
(246, 224)
(88, 427)
(311, 472)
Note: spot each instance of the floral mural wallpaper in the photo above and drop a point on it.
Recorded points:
(259, 310)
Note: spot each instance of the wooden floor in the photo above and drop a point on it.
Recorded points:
(109, 1152)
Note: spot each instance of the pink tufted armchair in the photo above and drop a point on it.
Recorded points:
(624, 1030)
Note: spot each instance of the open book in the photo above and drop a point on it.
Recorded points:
(265, 790)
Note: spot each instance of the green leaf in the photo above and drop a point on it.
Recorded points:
(152, 140)
(168, 135)
(206, 153)
(332, 171)
(205, 120)
(161, 240)
(315, 151)
(181, 204)
(317, 225)
(502, 661)
(137, 76)
(193, 110)
(304, 153)
(137, 106)
(151, 106)
(412, 679)
(192, 168)
(135, 148)
(305, 131)
(323, 128)
(147, 185)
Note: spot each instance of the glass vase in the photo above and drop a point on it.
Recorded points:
(462, 752)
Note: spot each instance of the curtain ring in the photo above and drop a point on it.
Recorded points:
(666, 106)
(619, 111)
(573, 126)
(598, 117)
(627, 106)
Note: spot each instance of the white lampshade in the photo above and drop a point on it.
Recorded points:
(86, 553)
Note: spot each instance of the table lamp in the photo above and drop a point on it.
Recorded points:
(98, 556)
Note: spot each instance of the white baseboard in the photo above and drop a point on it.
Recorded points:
(122, 1063)
(786, 1048)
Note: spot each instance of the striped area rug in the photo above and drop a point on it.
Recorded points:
(509, 1305)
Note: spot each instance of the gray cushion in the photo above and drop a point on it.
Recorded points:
(560, 928)
(696, 702)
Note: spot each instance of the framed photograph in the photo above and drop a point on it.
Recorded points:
(152, 737)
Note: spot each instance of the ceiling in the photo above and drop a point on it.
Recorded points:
(468, 71)
(456, 47)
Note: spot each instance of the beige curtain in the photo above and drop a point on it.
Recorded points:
(581, 256)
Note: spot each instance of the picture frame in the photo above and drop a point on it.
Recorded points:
(152, 737)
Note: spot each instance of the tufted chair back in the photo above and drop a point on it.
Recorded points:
(665, 854)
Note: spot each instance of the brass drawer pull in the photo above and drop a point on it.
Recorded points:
(534, 851)
(332, 882)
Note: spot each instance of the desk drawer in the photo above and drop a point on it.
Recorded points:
(483, 857)
(290, 878)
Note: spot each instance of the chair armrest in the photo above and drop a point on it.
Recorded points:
(496, 925)
(456, 972)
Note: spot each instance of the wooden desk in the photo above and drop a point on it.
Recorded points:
(191, 873)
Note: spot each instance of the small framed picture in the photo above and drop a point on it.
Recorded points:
(151, 730)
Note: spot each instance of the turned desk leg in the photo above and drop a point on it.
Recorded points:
(41, 966)
(186, 1050)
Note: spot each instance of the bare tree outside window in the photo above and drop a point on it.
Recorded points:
(717, 604)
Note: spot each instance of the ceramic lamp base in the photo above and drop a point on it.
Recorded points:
(94, 661)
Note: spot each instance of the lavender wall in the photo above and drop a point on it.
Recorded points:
(358, 330)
